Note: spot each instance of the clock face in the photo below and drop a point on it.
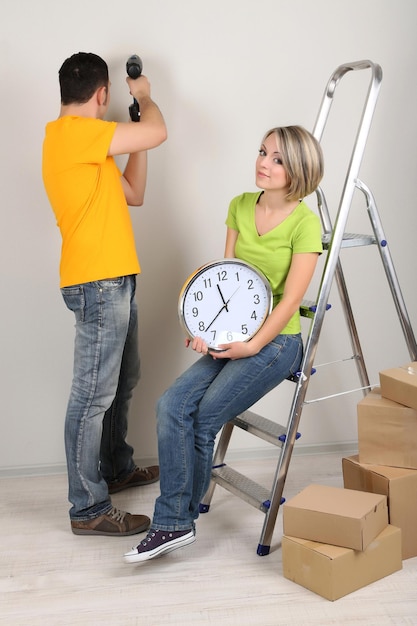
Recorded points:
(224, 301)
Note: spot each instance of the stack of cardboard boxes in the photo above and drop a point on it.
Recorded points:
(387, 445)
(339, 540)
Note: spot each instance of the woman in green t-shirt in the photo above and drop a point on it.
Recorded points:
(275, 231)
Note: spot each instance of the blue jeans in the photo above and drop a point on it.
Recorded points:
(193, 410)
(106, 371)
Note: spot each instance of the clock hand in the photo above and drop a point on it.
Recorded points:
(223, 307)
(214, 319)
(221, 295)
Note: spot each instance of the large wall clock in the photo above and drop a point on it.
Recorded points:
(224, 301)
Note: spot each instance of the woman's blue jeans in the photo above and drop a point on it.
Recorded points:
(193, 410)
(106, 370)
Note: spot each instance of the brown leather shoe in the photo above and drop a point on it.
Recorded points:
(139, 477)
(115, 523)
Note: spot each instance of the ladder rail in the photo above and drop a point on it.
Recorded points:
(353, 331)
(330, 90)
(332, 265)
(331, 268)
(353, 169)
(332, 260)
(389, 269)
(301, 390)
(344, 295)
(282, 467)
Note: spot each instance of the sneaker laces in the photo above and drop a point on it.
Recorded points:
(151, 534)
(117, 514)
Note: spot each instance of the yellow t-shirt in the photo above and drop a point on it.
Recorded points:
(85, 191)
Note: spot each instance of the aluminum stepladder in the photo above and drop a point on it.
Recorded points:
(334, 239)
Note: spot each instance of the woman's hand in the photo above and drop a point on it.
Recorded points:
(197, 344)
(235, 350)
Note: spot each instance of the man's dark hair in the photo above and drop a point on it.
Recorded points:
(80, 76)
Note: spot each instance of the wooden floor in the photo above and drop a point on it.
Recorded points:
(50, 577)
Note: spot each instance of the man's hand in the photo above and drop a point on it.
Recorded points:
(129, 138)
(139, 87)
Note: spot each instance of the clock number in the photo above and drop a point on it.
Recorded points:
(244, 329)
(207, 282)
(254, 316)
(237, 276)
(201, 327)
(222, 275)
(250, 283)
(194, 311)
(229, 335)
(256, 298)
(198, 296)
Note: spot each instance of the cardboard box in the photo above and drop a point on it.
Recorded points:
(400, 384)
(333, 572)
(387, 432)
(342, 517)
(398, 485)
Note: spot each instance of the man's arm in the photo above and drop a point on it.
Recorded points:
(134, 178)
(136, 138)
(149, 132)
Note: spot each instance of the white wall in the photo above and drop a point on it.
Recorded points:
(222, 72)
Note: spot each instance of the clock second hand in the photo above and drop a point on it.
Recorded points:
(223, 307)
(235, 291)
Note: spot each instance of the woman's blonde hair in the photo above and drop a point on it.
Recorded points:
(302, 159)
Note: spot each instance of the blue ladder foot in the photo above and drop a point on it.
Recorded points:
(263, 550)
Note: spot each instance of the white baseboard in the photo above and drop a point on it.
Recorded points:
(343, 448)
(346, 448)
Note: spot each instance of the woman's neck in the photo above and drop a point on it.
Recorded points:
(271, 210)
(276, 202)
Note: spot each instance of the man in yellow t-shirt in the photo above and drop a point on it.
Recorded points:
(90, 198)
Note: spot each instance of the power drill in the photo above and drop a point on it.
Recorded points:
(134, 67)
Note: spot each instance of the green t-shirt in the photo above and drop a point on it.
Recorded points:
(272, 253)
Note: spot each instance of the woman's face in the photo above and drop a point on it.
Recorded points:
(270, 173)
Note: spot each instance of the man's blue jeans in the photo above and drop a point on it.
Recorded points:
(193, 410)
(106, 370)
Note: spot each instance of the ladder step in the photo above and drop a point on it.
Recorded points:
(261, 427)
(308, 308)
(350, 240)
(242, 486)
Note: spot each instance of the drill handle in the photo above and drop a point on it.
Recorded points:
(134, 111)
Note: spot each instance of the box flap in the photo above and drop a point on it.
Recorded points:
(390, 473)
(336, 501)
